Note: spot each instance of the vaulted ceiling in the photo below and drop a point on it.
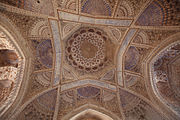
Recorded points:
(89, 59)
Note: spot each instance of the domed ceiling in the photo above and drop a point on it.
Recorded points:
(89, 59)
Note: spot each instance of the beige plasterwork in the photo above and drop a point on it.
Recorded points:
(94, 80)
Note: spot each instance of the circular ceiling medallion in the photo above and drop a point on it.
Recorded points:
(86, 49)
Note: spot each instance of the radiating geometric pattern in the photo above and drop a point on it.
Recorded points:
(92, 7)
(124, 9)
(87, 95)
(42, 108)
(47, 100)
(67, 4)
(88, 50)
(136, 108)
(38, 6)
(160, 13)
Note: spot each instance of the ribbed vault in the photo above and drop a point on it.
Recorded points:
(89, 59)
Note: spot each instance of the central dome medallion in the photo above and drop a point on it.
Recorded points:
(86, 49)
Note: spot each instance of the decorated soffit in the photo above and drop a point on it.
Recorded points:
(88, 59)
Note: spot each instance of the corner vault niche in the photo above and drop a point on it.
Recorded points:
(11, 70)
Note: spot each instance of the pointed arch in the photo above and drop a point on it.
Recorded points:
(158, 80)
(91, 110)
(16, 43)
